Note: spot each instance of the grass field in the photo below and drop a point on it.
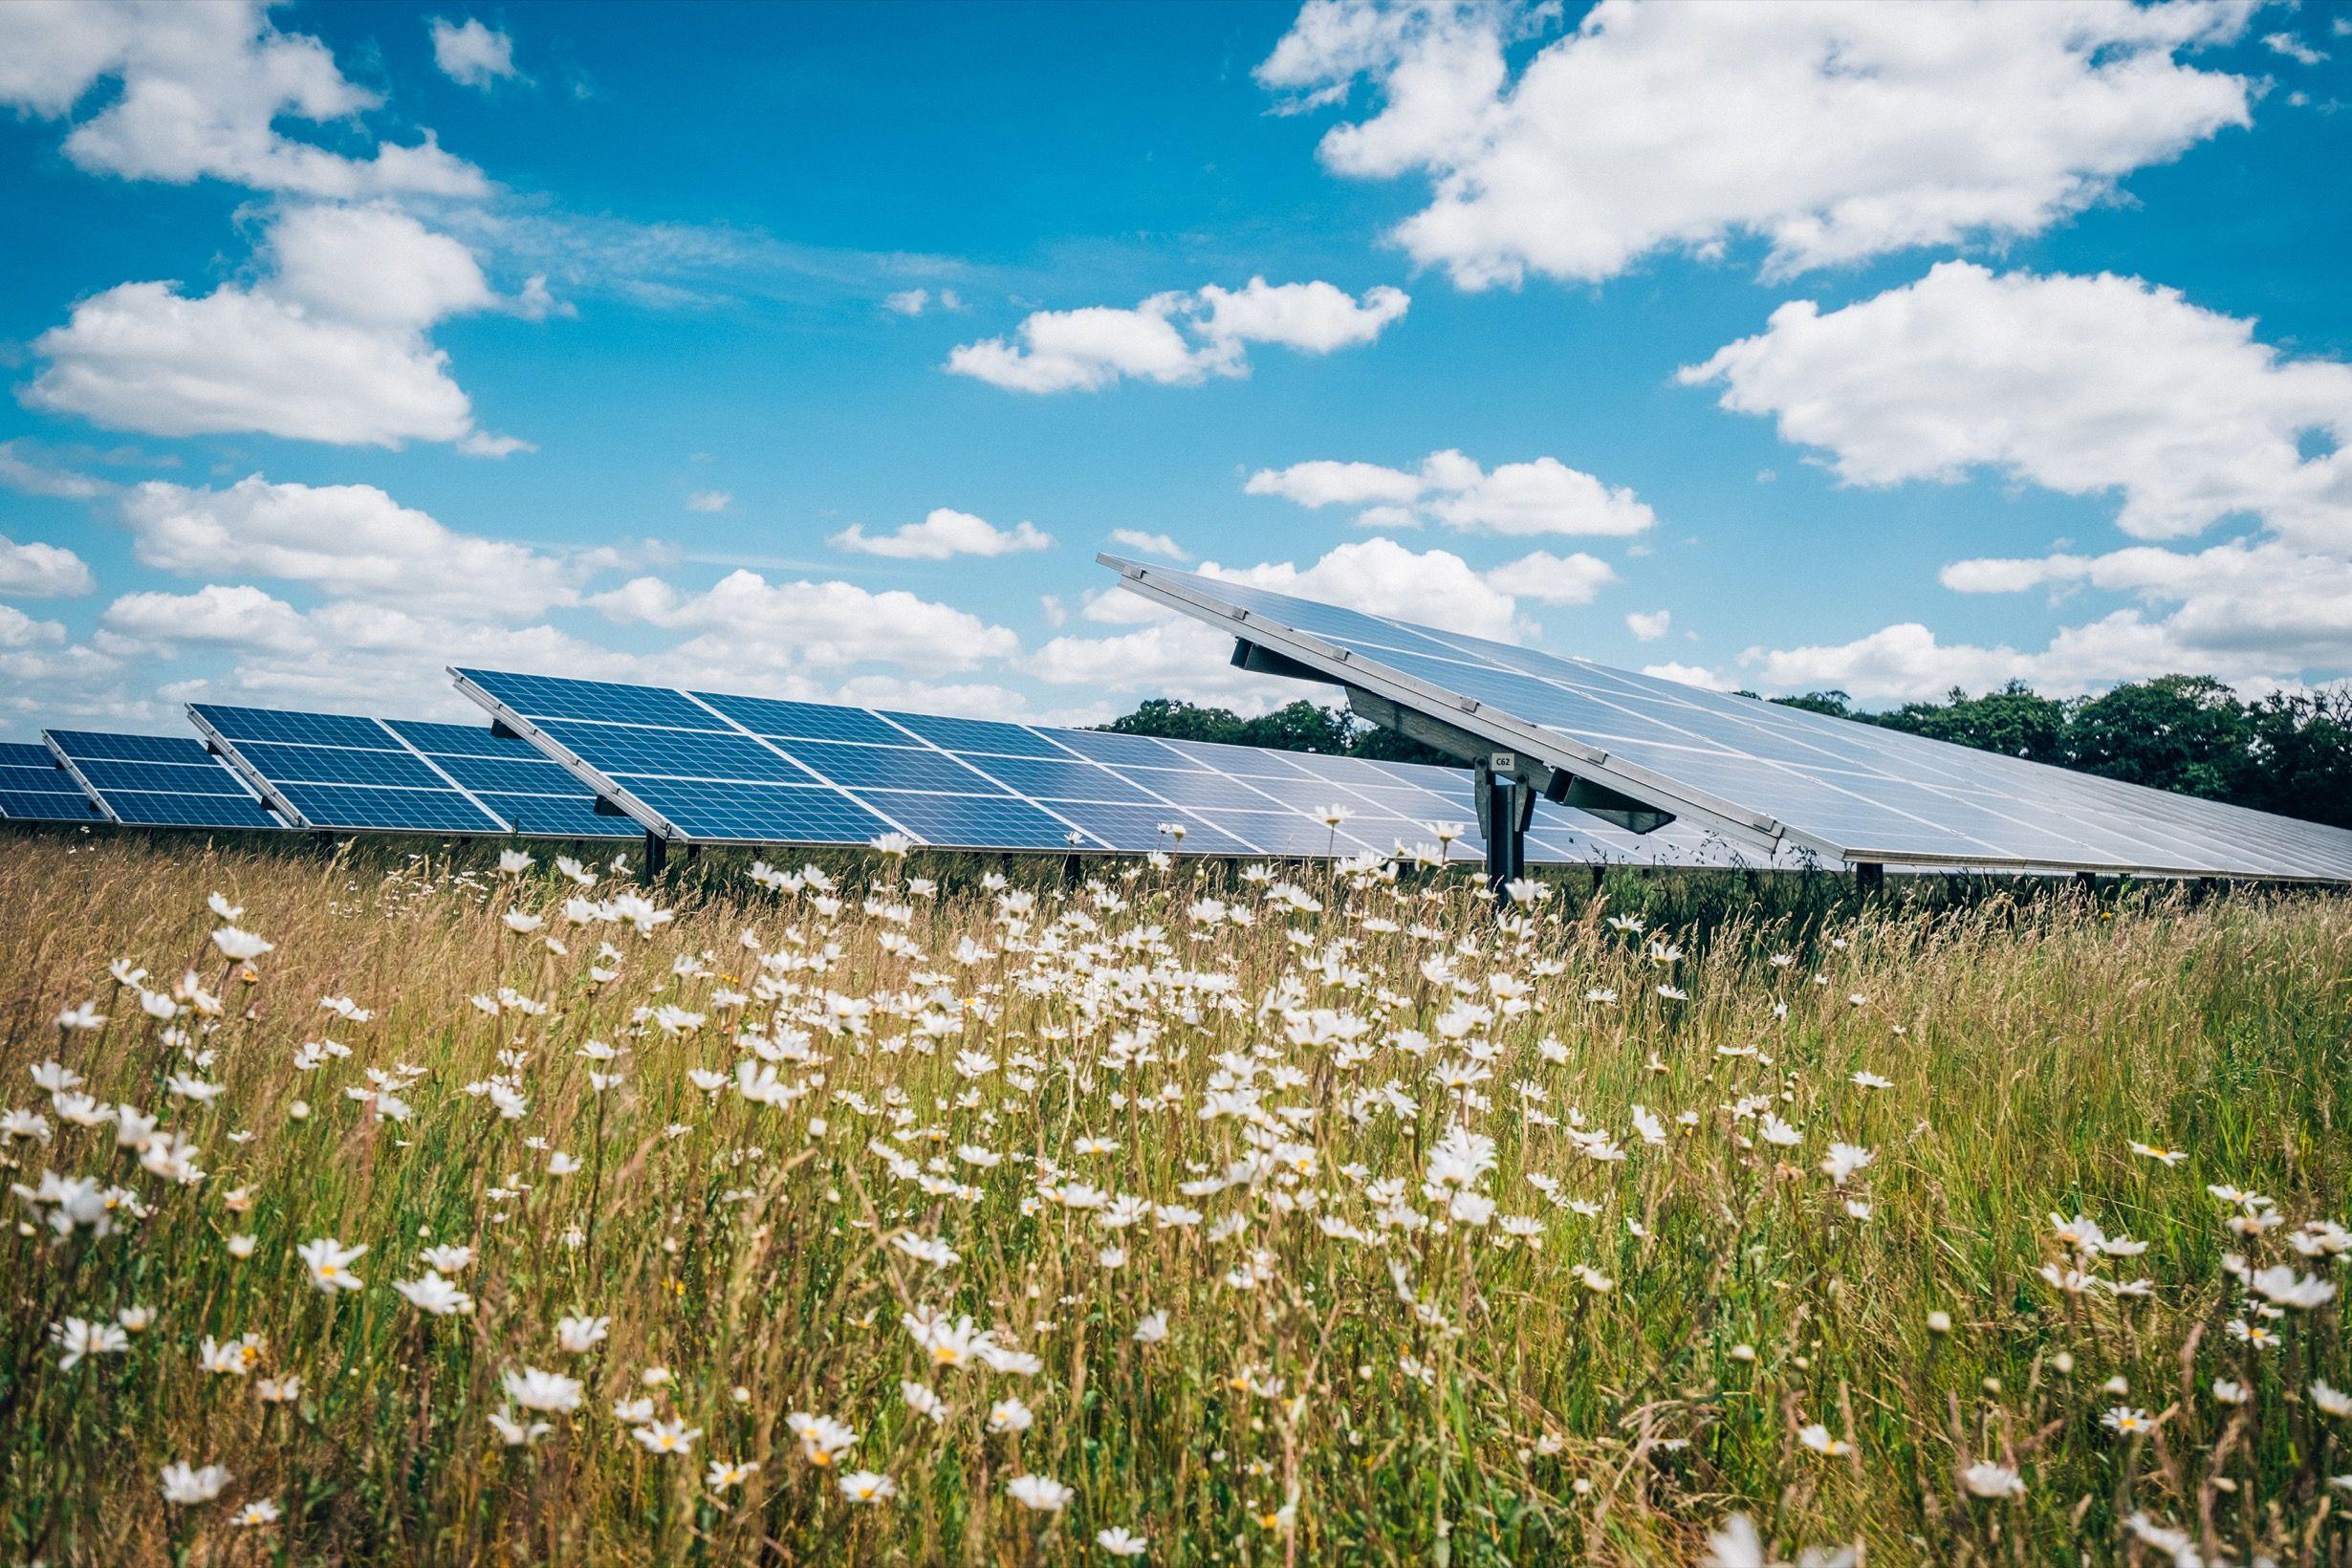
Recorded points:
(1211, 1218)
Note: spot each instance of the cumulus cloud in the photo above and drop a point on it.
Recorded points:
(2085, 385)
(470, 54)
(1176, 339)
(200, 90)
(1697, 675)
(1907, 660)
(752, 624)
(345, 655)
(1575, 578)
(1542, 497)
(710, 501)
(1167, 653)
(1834, 133)
(329, 345)
(1649, 625)
(943, 533)
(2104, 387)
(33, 570)
(1149, 544)
(915, 301)
(351, 541)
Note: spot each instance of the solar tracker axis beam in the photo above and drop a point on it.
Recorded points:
(1556, 785)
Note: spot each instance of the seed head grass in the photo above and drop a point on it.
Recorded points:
(910, 1212)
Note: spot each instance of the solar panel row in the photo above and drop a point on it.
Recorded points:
(157, 780)
(35, 787)
(698, 767)
(333, 770)
(1766, 774)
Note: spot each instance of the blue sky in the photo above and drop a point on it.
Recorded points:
(1778, 348)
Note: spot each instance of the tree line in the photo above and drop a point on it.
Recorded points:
(2289, 752)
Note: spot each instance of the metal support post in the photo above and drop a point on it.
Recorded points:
(1869, 877)
(656, 856)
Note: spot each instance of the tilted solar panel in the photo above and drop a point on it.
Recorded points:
(698, 767)
(158, 780)
(344, 772)
(35, 787)
(1776, 777)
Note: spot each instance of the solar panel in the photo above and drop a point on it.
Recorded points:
(35, 787)
(344, 772)
(696, 767)
(1779, 778)
(157, 780)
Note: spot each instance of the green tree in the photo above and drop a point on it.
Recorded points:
(2183, 732)
(1300, 727)
(1172, 720)
(2014, 721)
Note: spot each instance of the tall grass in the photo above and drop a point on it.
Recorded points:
(1351, 1372)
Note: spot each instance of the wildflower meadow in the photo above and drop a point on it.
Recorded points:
(925, 1209)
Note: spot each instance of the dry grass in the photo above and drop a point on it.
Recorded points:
(1356, 1367)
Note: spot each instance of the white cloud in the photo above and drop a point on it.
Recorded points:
(1907, 661)
(33, 570)
(710, 501)
(1173, 655)
(329, 346)
(943, 533)
(1175, 339)
(1150, 544)
(1178, 658)
(2263, 608)
(1521, 499)
(2085, 385)
(201, 91)
(2292, 48)
(1834, 132)
(747, 622)
(471, 55)
(1697, 675)
(1575, 578)
(1381, 577)
(2092, 386)
(351, 541)
(350, 656)
(1650, 626)
(22, 474)
(1324, 483)
(915, 301)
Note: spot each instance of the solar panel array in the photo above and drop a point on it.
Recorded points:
(158, 780)
(35, 787)
(332, 770)
(700, 767)
(1767, 774)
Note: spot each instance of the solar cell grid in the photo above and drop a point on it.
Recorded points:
(91, 745)
(804, 721)
(46, 806)
(269, 723)
(457, 740)
(891, 768)
(156, 780)
(345, 772)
